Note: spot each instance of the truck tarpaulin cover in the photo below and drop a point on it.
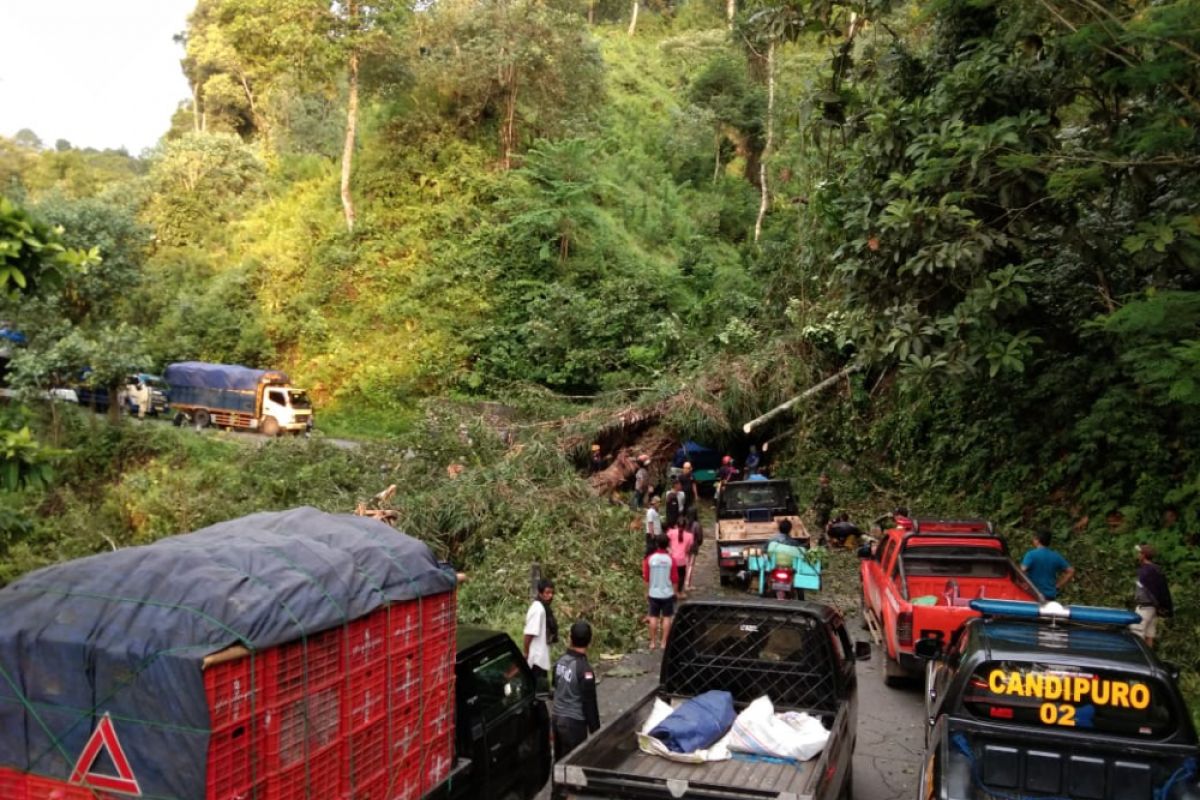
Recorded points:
(125, 633)
(216, 376)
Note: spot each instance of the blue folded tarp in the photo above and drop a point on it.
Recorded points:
(698, 723)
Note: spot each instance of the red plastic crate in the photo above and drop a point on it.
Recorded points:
(403, 625)
(39, 788)
(232, 761)
(437, 756)
(404, 677)
(367, 639)
(405, 782)
(298, 726)
(377, 787)
(404, 735)
(366, 698)
(318, 777)
(437, 712)
(437, 657)
(438, 613)
(12, 784)
(367, 753)
(234, 689)
(298, 668)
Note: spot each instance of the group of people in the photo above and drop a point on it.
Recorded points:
(1049, 572)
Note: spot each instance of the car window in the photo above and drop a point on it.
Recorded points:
(277, 397)
(499, 683)
(1050, 695)
(928, 564)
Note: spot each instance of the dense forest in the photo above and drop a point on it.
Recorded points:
(986, 211)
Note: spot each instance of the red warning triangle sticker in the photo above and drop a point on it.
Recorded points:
(105, 736)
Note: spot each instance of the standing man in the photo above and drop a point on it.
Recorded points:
(641, 482)
(687, 481)
(657, 571)
(576, 714)
(753, 460)
(1048, 570)
(653, 525)
(541, 631)
(597, 462)
(1151, 595)
(823, 504)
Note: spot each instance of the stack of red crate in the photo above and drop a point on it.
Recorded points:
(359, 712)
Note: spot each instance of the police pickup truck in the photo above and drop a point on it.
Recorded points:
(1050, 702)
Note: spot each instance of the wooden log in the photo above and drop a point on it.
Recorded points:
(809, 392)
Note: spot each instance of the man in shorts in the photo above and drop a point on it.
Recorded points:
(657, 571)
(1151, 595)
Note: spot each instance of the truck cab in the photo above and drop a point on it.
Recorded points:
(919, 581)
(1053, 701)
(748, 515)
(502, 726)
(290, 408)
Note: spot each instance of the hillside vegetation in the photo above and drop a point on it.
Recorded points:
(990, 208)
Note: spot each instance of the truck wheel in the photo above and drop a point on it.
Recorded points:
(270, 427)
(178, 420)
(201, 418)
(893, 676)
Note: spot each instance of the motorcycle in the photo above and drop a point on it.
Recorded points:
(786, 583)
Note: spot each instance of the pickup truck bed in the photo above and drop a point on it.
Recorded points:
(613, 755)
(793, 652)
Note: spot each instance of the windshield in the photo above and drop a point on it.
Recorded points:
(1050, 695)
(300, 399)
(755, 495)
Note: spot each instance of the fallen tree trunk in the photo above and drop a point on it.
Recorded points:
(781, 408)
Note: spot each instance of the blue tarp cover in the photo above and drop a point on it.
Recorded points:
(697, 723)
(125, 632)
(216, 376)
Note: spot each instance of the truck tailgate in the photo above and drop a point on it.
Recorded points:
(610, 764)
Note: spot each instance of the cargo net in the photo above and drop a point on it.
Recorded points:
(788, 656)
(364, 711)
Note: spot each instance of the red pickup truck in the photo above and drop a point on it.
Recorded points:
(918, 580)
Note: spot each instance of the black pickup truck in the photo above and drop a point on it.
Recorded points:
(796, 653)
(1040, 706)
(502, 727)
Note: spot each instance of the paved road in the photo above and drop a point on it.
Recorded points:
(888, 756)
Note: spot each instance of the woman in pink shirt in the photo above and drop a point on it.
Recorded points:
(679, 545)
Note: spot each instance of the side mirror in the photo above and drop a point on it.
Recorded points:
(864, 552)
(927, 649)
(862, 651)
(1172, 670)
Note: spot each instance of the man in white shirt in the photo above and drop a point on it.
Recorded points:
(541, 631)
(653, 526)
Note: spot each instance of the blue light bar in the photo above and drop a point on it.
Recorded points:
(1025, 610)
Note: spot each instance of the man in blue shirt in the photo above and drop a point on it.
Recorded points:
(1048, 570)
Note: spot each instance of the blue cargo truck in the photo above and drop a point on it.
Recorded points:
(233, 396)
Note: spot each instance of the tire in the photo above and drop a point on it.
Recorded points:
(270, 427)
(201, 419)
(893, 676)
(178, 419)
(724, 579)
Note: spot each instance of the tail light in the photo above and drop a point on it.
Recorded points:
(781, 575)
(904, 629)
(1000, 712)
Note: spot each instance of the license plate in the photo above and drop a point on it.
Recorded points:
(779, 586)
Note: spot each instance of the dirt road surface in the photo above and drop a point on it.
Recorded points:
(890, 737)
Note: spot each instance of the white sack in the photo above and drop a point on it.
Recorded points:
(792, 734)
